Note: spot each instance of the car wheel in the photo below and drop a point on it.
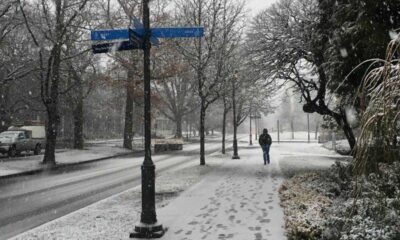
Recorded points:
(37, 149)
(12, 152)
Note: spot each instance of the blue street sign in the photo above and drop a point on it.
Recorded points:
(115, 46)
(178, 32)
(133, 38)
(112, 34)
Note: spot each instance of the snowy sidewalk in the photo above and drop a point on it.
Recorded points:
(238, 200)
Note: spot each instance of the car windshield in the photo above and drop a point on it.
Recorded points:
(9, 134)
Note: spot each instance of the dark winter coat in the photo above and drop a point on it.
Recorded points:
(265, 139)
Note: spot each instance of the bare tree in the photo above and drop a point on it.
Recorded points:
(81, 78)
(202, 55)
(174, 87)
(48, 23)
(130, 60)
(284, 46)
(16, 64)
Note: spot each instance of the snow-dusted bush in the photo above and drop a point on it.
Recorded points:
(372, 212)
(327, 206)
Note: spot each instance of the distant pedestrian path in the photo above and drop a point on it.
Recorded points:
(298, 136)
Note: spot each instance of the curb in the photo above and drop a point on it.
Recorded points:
(66, 165)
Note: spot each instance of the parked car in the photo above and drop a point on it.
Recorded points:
(15, 140)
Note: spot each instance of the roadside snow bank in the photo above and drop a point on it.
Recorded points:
(335, 205)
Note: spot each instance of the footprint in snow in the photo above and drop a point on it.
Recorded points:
(179, 231)
(258, 236)
(265, 221)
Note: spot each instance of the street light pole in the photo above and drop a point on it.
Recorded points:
(148, 227)
(256, 127)
(308, 126)
(251, 140)
(235, 147)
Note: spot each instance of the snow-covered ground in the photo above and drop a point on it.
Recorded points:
(96, 149)
(297, 136)
(23, 164)
(226, 199)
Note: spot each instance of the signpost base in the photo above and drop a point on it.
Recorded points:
(148, 231)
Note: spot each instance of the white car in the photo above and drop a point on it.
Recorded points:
(14, 141)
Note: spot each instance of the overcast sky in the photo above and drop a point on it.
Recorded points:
(256, 5)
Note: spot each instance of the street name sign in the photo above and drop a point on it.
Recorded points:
(175, 32)
(111, 34)
(132, 38)
(115, 46)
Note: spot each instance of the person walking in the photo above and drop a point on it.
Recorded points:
(265, 142)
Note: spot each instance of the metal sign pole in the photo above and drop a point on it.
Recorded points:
(148, 227)
(141, 38)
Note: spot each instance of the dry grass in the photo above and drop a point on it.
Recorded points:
(380, 117)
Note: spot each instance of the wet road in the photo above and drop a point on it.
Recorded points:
(29, 201)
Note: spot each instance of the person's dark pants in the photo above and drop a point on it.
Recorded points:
(265, 149)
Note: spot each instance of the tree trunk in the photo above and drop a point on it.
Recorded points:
(78, 122)
(341, 120)
(178, 131)
(348, 132)
(51, 134)
(128, 129)
(224, 129)
(4, 114)
(51, 103)
(202, 131)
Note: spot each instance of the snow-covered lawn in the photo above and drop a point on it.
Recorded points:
(298, 135)
(31, 163)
